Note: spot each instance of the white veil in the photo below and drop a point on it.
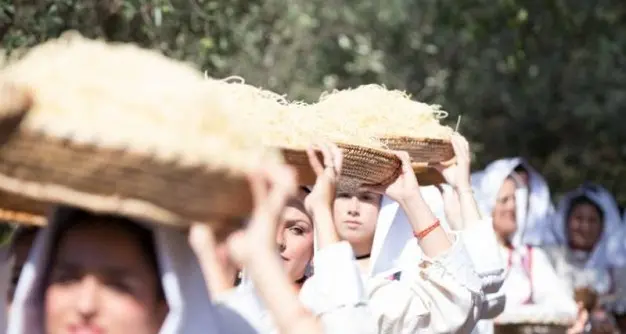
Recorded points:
(190, 308)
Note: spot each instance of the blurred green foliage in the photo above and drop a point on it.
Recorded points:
(544, 79)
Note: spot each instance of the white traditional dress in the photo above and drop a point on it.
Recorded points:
(532, 290)
(334, 292)
(440, 295)
(419, 295)
(602, 267)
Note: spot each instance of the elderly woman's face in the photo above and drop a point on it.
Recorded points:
(101, 281)
(584, 226)
(504, 216)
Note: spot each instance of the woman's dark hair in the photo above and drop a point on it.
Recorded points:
(69, 217)
(520, 169)
(576, 201)
(22, 232)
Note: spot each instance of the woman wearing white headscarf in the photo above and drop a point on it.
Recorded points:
(454, 205)
(419, 277)
(586, 255)
(539, 211)
(106, 273)
(13, 255)
(255, 249)
(532, 289)
(333, 289)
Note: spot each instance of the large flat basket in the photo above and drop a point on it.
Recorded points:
(422, 150)
(54, 170)
(362, 166)
(530, 328)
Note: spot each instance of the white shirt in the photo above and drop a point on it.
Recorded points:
(334, 293)
(533, 291)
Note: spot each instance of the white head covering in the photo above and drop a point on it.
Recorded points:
(394, 243)
(6, 265)
(601, 255)
(190, 308)
(533, 221)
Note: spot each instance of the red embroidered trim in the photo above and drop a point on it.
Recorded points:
(527, 262)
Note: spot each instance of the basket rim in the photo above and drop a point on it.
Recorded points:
(381, 151)
(22, 217)
(55, 194)
(51, 188)
(417, 139)
(424, 165)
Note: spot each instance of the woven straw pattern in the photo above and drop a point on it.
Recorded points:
(115, 181)
(530, 329)
(429, 177)
(422, 150)
(21, 218)
(361, 165)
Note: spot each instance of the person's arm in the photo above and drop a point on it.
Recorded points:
(478, 234)
(451, 208)
(255, 249)
(279, 295)
(439, 293)
(434, 295)
(458, 176)
(319, 203)
(335, 292)
(431, 237)
(219, 273)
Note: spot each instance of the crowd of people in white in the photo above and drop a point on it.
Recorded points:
(478, 252)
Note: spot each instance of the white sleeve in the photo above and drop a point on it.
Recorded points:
(335, 292)
(493, 305)
(484, 251)
(434, 296)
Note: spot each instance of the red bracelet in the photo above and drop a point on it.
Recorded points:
(422, 234)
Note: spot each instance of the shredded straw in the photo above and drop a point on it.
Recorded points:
(122, 96)
(284, 123)
(374, 111)
(271, 114)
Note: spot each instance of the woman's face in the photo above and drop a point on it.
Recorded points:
(295, 238)
(504, 217)
(101, 281)
(584, 226)
(356, 215)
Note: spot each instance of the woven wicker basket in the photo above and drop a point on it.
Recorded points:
(427, 175)
(361, 165)
(424, 153)
(530, 329)
(422, 150)
(53, 170)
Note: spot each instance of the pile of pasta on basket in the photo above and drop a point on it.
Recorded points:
(129, 131)
(110, 145)
(366, 122)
